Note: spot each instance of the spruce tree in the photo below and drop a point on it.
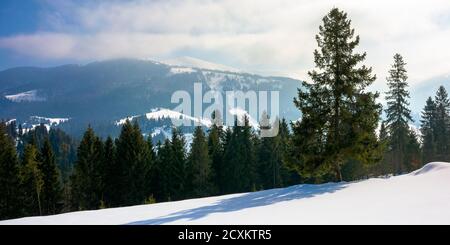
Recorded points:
(32, 181)
(178, 164)
(86, 185)
(215, 149)
(339, 117)
(199, 166)
(428, 123)
(51, 191)
(161, 177)
(398, 115)
(442, 126)
(132, 160)
(111, 175)
(240, 159)
(9, 178)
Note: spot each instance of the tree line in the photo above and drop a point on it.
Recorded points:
(340, 136)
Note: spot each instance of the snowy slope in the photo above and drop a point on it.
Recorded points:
(421, 197)
(187, 61)
(28, 96)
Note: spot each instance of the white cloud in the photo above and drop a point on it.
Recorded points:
(274, 37)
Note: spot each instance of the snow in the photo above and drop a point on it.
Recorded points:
(162, 113)
(10, 121)
(421, 197)
(186, 61)
(181, 70)
(28, 96)
(49, 120)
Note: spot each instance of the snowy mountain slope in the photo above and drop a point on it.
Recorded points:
(28, 96)
(100, 93)
(421, 197)
(198, 63)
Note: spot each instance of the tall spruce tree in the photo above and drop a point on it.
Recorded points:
(339, 117)
(31, 181)
(427, 128)
(215, 150)
(86, 187)
(178, 164)
(442, 125)
(10, 204)
(199, 166)
(111, 175)
(398, 115)
(132, 160)
(271, 150)
(240, 158)
(51, 190)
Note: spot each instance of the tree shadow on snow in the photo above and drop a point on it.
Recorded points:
(250, 200)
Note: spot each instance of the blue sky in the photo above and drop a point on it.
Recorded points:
(268, 37)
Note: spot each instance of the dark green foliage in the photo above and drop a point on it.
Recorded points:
(272, 170)
(428, 126)
(398, 116)
(134, 164)
(339, 117)
(86, 191)
(442, 125)
(199, 182)
(239, 166)
(9, 177)
(32, 181)
(51, 189)
(170, 172)
(215, 150)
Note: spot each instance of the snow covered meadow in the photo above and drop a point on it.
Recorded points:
(420, 197)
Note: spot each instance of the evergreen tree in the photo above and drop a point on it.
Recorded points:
(178, 164)
(132, 160)
(9, 177)
(51, 190)
(240, 159)
(161, 177)
(86, 179)
(427, 129)
(339, 117)
(111, 175)
(215, 150)
(442, 125)
(272, 171)
(383, 167)
(398, 115)
(199, 166)
(32, 181)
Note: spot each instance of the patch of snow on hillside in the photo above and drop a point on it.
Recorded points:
(198, 63)
(49, 120)
(417, 198)
(28, 96)
(161, 113)
(166, 113)
(9, 122)
(181, 70)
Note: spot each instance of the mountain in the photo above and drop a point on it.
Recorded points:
(101, 93)
(186, 61)
(415, 198)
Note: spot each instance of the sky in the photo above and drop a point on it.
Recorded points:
(269, 37)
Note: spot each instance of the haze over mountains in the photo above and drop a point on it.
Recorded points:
(102, 93)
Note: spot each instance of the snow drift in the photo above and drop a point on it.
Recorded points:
(421, 197)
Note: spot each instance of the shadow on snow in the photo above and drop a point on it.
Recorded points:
(249, 200)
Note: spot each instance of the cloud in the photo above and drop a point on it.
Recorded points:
(272, 37)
